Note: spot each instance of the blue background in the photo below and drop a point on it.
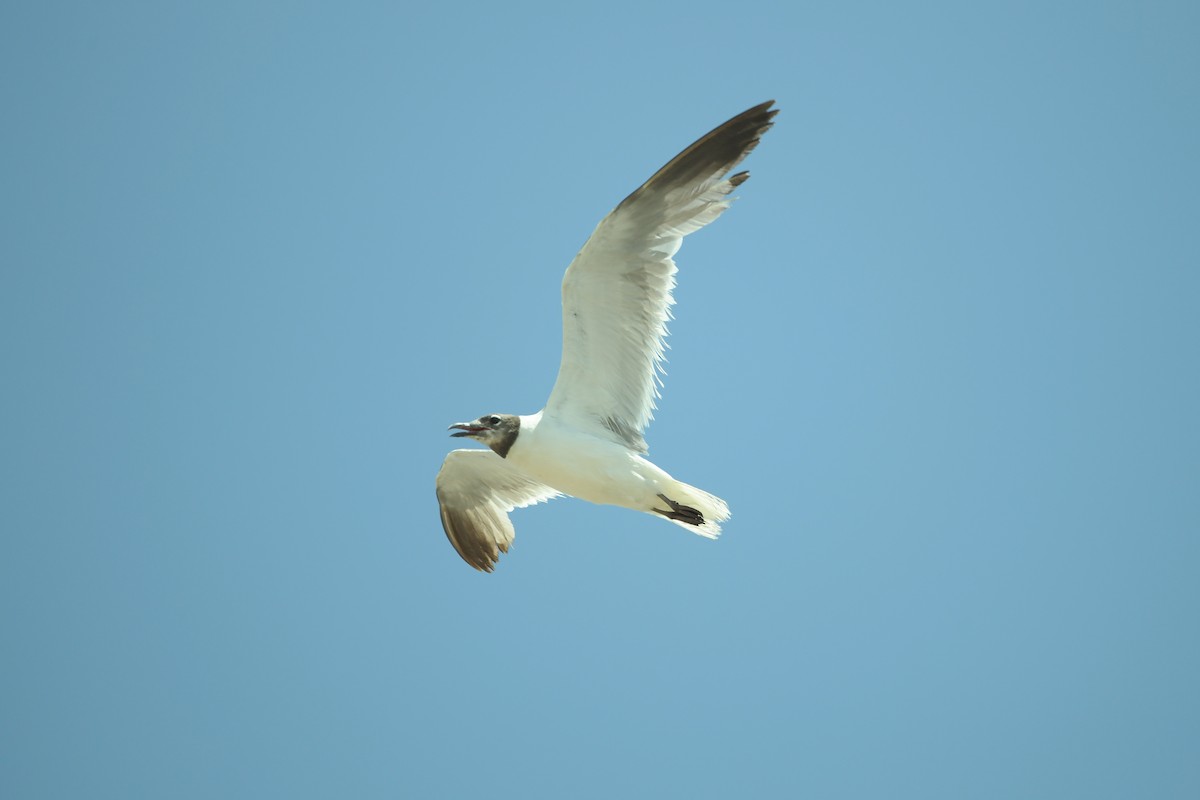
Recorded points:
(941, 359)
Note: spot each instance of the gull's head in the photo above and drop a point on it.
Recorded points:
(497, 431)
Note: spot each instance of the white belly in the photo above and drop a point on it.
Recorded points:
(587, 467)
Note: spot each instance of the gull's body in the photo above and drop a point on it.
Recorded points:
(587, 442)
(601, 471)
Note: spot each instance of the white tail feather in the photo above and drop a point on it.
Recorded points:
(712, 508)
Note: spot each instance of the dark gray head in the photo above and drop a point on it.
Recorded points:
(497, 431)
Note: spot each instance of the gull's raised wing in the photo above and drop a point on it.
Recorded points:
(476, 489)
(617, 291)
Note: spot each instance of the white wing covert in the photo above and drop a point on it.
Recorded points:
(476, 490)
(617, 290)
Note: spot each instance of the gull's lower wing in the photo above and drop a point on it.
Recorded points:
(476, 490)
(617, 291)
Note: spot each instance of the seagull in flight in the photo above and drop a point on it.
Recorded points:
(616, 299)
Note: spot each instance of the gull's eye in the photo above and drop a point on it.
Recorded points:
(493, 420)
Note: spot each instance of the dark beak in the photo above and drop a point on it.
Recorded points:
(465, 429)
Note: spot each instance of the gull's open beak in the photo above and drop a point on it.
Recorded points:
(465, 429)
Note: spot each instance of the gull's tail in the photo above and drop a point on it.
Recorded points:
(692, 508)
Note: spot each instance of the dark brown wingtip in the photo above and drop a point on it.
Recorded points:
(717, 151)
(475, 552)
(762, 109)
(737, 180)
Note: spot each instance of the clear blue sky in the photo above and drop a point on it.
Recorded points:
(941, 359)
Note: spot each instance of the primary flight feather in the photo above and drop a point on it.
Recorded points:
(587, 442)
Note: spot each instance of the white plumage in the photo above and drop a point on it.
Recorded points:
(587, 442)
